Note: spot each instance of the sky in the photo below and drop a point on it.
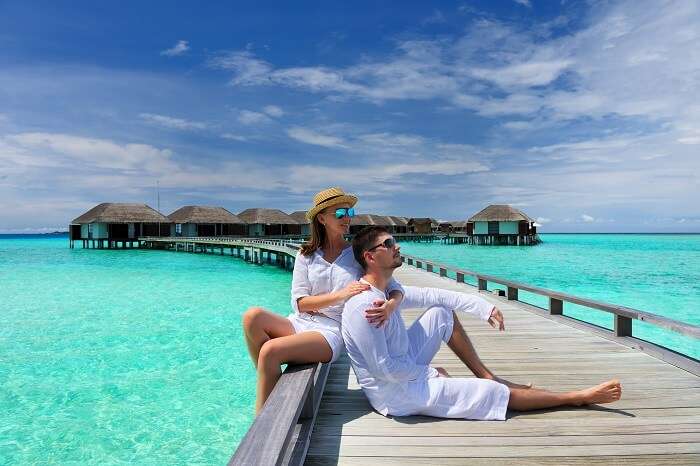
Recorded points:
(584, 115)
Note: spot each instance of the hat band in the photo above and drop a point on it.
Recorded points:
(330, 198)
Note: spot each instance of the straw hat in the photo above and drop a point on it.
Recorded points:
(327, 198)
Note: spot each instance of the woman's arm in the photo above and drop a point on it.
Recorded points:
(316, 303)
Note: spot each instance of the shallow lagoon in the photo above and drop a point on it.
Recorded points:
(138, 356)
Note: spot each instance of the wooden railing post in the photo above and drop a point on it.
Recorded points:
(512, 294)
(419, 264)
(623, 326)
(429, 267)
(443, 272)
(556, 306)
(482, 284)
(460, 277)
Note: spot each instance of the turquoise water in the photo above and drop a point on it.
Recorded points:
(132, 357)
(137, 356)
(654, 273)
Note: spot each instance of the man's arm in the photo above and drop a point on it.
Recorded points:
(420, 297)
(371, 343)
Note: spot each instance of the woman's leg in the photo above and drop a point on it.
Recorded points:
(259, 326)
(528, 399)
(299, 348)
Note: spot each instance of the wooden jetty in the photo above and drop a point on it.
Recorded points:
(317, 414)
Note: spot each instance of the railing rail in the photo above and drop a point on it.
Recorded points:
(623, 315)
(281, 432)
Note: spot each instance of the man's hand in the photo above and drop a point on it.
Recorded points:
(379, 314)
(496, 319)
(442, 372)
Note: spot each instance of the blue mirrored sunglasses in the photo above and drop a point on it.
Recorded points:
(345, 212)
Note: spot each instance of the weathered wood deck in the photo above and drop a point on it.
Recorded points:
(657, 421)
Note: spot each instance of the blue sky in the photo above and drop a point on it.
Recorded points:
(585, 115)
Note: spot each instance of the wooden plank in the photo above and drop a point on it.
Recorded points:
(506, 441)
(631, 459)
(479, 451)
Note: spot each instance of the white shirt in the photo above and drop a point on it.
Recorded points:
(380, 356)
(314, 276)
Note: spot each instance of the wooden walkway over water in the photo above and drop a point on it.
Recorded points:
(318, 415)
(657, 421)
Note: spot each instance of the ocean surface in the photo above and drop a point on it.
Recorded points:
(126, 356)
(654, 273)
(137, 356)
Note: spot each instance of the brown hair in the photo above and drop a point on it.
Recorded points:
(318, 237)
(363, 241)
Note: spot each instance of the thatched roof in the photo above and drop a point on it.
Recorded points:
(112, 212)
(455, 223)
(267, 217)
(398, 221)
(415, 220)
(381, 220)
(500, 213)
(361, 219)
(204, 214)
(371, 219)
(300, 216)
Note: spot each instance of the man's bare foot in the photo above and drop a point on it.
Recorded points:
(606, 392)
(510, 384)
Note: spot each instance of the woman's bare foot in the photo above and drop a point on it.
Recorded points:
(606, 392)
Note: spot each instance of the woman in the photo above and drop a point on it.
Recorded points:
(325, 276)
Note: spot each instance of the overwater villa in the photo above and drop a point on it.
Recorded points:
(358, 222)
(269, 222)
(399, 224)
(300, 216)
(193, 220)
(500, 224)
(454, 226)
(422, 225)
(117, 225)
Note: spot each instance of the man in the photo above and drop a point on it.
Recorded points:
(392, 364)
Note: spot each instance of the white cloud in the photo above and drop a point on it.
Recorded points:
(234, 137)
(247, 69)
(524, 3)
(526, 74)
(248, 117)
(52, 150)
(308, 136)
(171, 122)
(436, 18)
(178, 49)
(384, 140)
(543, 220)
(273, 111)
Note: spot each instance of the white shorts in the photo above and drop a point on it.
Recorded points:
(329, 328)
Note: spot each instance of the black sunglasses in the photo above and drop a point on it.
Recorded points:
(388, 243)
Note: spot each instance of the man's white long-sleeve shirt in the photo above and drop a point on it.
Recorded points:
(380, 356)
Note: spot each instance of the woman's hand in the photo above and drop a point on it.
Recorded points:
(442, 372)
(496, 319)
(379, 314)
(351, 290)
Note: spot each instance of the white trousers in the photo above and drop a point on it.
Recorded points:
(459, 397)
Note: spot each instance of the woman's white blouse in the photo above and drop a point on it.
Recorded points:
(314, 276)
